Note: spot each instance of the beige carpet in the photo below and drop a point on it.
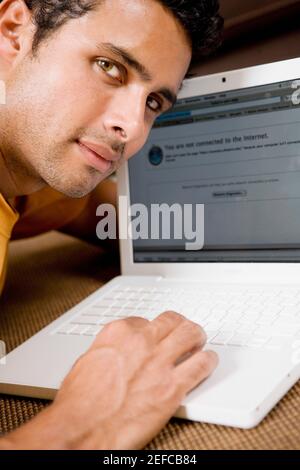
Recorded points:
(48, 275)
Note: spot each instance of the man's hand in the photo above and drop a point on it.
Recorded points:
(126, 387)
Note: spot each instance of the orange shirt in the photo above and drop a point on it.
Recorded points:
(8, 218)
(45, 210)
(38, 213)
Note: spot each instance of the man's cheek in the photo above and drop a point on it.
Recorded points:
(131, 152)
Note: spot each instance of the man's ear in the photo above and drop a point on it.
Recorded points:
(15, 19)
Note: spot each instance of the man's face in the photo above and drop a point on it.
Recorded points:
(79, 91)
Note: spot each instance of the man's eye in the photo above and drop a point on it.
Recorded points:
(157, 107)
(110, 68)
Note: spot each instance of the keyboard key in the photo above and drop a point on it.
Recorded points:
(288, 319)
(92, 330)
(108, 312)
(283, 329)
(286, 310)
(235, 317)
(248, 319)
(199, 318)
(252, 314)
(265, 320)
(105, 303)
(65, 329)
(212, 326)
(257, 341)
(115, 312)
(96, 311)
(140, 313)
(78, 329)
(229, 325)
(245, 328)
(86, 320)
(239, 339)
(276, 343)
(221, 338)
(105, 320)
(263, 331)
(127, 308)
(121, 303)
(220, 308)
(271, 310)
(211, 334)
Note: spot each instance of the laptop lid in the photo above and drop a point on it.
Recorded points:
(231, 143)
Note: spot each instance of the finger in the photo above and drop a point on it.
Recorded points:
(188, 354)
(118, 331)
(193, 371)
(137, 322)
(181, 341)
(165, 323)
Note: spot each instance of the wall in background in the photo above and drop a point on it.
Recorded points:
(256, 32)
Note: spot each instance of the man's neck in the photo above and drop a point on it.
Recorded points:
(13, 181)
(7, 185)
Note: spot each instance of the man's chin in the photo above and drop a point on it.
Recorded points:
(76, 194)
(75, 185)
(75, 191)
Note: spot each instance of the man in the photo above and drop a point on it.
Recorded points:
(85, 81)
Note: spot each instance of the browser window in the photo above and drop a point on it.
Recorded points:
(238, 153)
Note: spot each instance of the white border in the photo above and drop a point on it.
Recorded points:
(218, 272)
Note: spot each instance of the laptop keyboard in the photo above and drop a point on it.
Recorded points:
(241, 317)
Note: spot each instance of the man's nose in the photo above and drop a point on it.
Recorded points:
(125, 116)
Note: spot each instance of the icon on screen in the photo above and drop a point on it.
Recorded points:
(155, 155)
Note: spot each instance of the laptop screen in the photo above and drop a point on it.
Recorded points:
(238, 153)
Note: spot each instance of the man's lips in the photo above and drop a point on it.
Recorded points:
(98, 161)
(101, 150)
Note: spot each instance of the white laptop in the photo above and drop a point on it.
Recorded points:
(232, 143)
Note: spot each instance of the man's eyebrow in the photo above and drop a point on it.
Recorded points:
(169, 95)
(132, 62)
(128, 58)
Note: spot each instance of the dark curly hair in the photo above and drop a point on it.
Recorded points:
(199, 18)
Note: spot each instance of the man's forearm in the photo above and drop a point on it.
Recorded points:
(50, 430)
(45, 431)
